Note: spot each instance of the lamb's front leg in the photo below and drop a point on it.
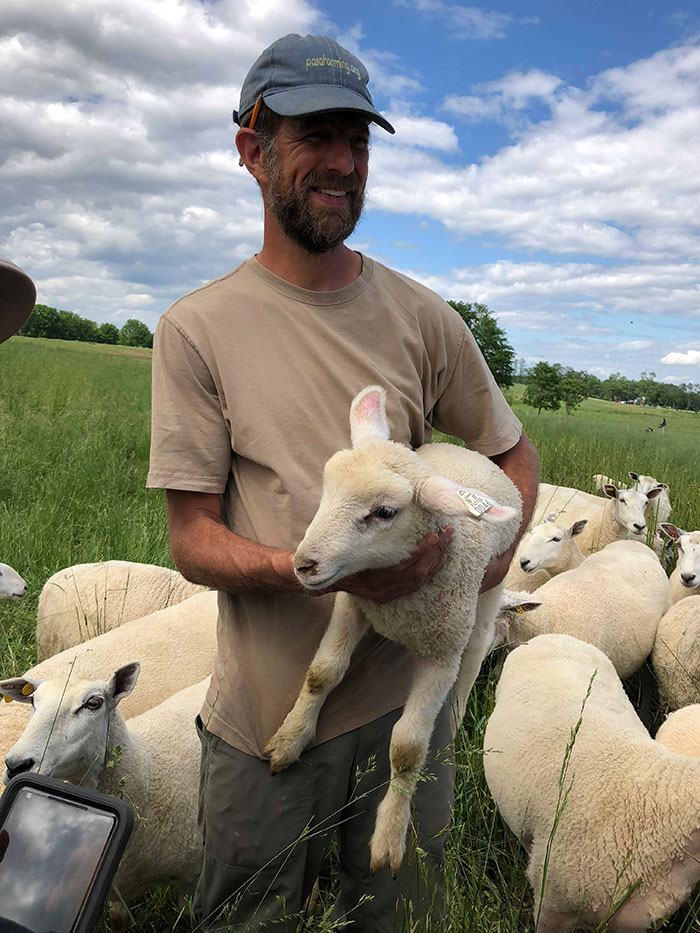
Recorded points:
(410, 739)
(346, 627)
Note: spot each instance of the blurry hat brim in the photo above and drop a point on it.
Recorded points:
(17, 298)
(316, 99)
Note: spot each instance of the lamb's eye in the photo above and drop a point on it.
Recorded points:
(556, 539)
(94, 703)
(384, 512)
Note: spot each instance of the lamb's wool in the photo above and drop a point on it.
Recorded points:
(676, 654)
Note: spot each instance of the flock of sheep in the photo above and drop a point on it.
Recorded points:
(609, 816)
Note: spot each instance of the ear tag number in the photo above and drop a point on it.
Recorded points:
(477, 504)
(520, 610)
(27, 690)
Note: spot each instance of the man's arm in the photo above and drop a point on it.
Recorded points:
(522, 465)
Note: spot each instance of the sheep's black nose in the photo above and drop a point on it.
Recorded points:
(688, 579)
(639, 528)
(524, 563)
(18, 767)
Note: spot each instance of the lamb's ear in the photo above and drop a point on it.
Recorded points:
(578, 526)
(19, 689)
(633, 476)
(512, 601)
(440, 494)
(610, 490)
(653, 493)
(368, 420)
(672, 532)
(123, 681)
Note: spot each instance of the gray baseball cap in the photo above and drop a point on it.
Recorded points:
(17, 297)
(305, 75)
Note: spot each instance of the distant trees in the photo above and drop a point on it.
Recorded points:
(45, 321)
(544, 387)
(491, 339)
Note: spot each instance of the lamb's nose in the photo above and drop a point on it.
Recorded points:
(524, 563)
(305, 567)
(18, 767)
(639, 528)
(688, 579)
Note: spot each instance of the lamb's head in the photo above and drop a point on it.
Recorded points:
(629, 506)
(545, 546)
(688, 543)
(512, 607)
(67, 735)
(374, 500)
(12, 586)
(645, 483)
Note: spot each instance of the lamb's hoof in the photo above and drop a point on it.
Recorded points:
(283, 750)
(385, 851)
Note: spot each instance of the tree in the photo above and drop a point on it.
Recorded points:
(135, 334)
(491, 340)
(42, 322)
(544, 387)
(574, 389)
(107, 333)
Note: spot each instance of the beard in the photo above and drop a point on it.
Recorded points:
(315, 229)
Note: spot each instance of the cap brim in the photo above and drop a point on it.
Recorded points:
(17, 298)
(322, 98)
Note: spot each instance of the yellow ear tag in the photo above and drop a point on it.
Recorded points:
(520, 610)
(7, 699)
(27, 690)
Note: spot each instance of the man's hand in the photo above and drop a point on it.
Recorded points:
(381, 586)
(496, 569)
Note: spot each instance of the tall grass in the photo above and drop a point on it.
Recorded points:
(74, 435)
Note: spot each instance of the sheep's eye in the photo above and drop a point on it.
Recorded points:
(93, 703)
(556, 539)
(384, 512)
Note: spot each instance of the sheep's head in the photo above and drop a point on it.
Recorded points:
(67, 733)
(12, 586)
(629, 506)
(688, 543)
(545, 545)
(511, 609)
(371, 495)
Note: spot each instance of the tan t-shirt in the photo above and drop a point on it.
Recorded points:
(252, 384)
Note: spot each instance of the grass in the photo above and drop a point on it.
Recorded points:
(74, 440)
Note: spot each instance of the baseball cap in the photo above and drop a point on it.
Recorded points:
(304, 75)
(17, 297)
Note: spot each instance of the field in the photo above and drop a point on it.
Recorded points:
(74, 436)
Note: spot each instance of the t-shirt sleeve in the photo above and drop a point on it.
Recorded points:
(190, 439)
(472, 406)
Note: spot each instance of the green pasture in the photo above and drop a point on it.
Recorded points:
(74, 438)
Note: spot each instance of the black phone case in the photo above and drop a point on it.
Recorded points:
(115, 846)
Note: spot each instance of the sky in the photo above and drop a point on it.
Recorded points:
(546, 160)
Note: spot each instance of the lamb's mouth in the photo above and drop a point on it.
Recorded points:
(318, 584)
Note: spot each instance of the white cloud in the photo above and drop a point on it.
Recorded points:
(636, 344)
(422, 132)
(464, 22)
(689, 358)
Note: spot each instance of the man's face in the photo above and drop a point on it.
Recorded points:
(316, 176)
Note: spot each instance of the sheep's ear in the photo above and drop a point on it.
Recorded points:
(19, 689)
(672, 532)
(512, 601)
(633, 476)
(440, 494)
(578, 526)
(610, 491)
(368, 420)
(123, 681)
(653, 493)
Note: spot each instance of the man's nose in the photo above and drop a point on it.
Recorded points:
(339, 157)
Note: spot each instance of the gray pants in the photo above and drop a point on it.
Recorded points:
(265, 836)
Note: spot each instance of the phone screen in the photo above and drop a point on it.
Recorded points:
(50, 850)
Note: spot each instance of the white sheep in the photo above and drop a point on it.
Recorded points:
(643, 483)
(685, 579)
(680, 731)
(676, 654)
(599, 805)
(614, 600)
(379, 499)
(72, 734)
(177, 647)
(12, 586)
(544, 551)
(86, 600)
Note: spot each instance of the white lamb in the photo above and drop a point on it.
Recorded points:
(622, 811)
(86, 600)
(379, 499)
(680, 731)
(71, 735)
(614, 600)
(685, 579)
(177, 647)
(676, 654)
(643, 483)
(12, 586)
(546, 550)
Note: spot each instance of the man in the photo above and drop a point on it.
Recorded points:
(252, 382)
(17, 297)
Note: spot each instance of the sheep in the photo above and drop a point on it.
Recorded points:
(676, 654)
(685, 579)
(598, 804)
(624, 518)
(12, 586)
(177, 647)
(680, 731)
(379, 499)
(614, 600)
(643, 483)
(545, 551)
(89, 599)
(74, 731)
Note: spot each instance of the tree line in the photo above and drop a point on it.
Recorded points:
(45, 321)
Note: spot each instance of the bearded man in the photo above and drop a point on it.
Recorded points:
(253, 375)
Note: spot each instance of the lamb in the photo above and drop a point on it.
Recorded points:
(676, 654)
(73, 732)
(643, 483)
(176, 645)
(86, 600)
(379, 499)
(685, 579)
(12, 586)
(545, 551)
(564, 742)
(614, 600)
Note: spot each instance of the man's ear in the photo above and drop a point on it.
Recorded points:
(251, 153)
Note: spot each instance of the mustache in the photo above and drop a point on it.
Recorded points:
(350, 183)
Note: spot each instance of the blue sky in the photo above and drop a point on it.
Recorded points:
(546, 160)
